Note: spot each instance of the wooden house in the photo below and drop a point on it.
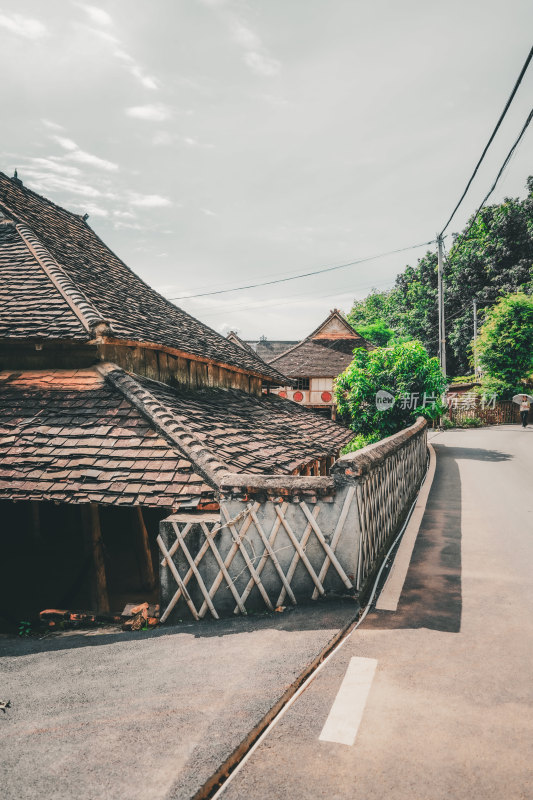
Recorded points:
(116, 409)
(315, 362)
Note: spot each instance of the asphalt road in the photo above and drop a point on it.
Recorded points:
(443, 685)
(145, 715)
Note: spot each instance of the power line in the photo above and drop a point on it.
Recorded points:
(305, 274)
(294, 299)
(498, 176)
(493, 134)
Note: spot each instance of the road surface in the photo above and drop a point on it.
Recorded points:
(433, 700)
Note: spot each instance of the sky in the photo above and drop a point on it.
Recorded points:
(219, 143)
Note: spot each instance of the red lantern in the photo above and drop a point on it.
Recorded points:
(326, 397)
(282, 394)
(298, 396)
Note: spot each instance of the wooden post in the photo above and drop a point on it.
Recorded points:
(102, 598)
(147, 567)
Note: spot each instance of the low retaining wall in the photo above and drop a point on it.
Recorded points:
(289, 539)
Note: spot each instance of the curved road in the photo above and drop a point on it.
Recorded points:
(442, 687)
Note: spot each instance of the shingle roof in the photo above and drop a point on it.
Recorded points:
(325, 353)
(134, 310)
(264, 434)
(316, 359)
(101, 435)
(30, 303)
(67, 435)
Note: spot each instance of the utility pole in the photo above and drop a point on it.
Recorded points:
(442, 326)
(475, 340)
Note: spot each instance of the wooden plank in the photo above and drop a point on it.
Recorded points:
(151, 364)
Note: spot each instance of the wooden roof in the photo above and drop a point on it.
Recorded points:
(325, 353)
(59, 274)
(102, 435)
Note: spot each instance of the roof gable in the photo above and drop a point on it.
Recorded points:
(334, 327)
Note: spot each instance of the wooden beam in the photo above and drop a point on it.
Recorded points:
(102, 598)
(147, 567)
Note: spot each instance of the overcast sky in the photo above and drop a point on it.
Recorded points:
(216, 143)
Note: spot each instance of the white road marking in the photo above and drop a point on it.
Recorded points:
(390, 594)
(347, 710)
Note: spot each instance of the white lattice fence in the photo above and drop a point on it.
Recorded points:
(267, 555)
(384, 495)
(280, 540)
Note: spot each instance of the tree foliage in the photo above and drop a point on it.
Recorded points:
(405, 371)
(494, 259)
(505, 346)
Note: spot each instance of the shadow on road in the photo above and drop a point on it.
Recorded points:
(321, 615)
(431, 596)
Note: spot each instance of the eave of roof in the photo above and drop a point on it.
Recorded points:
(103, 435)
(104, 281)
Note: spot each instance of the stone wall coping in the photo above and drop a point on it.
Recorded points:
(361, 462)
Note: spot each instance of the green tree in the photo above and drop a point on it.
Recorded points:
(371, 310)
(495, 258)
(406, 372)
(378, 333)
(505, 346)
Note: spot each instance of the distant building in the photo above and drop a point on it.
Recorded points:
(268, 349)
(316, 361)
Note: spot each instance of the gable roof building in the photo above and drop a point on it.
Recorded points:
(317, 360)
(111, 397)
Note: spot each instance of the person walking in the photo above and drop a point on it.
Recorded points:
(524, 410)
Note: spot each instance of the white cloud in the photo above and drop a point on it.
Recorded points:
(152, 112)
(53, 126)
(149, 200)
(91, 209)
(208, 212)
(45, 182)
(96, 15)
(26, 27)
(66, 144)
(54, 166)
(163, 138)
(82, 157)
(262, 64)
(145, 80)
(245, 36)
(94, 161)
(124, 214)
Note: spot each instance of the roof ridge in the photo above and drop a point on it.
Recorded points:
(202, 458)
(84, 310)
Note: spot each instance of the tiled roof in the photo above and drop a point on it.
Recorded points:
(322, 358)
(264, 434)
(134, 310)
(77, 436)
(69, 436)
(30, 303)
